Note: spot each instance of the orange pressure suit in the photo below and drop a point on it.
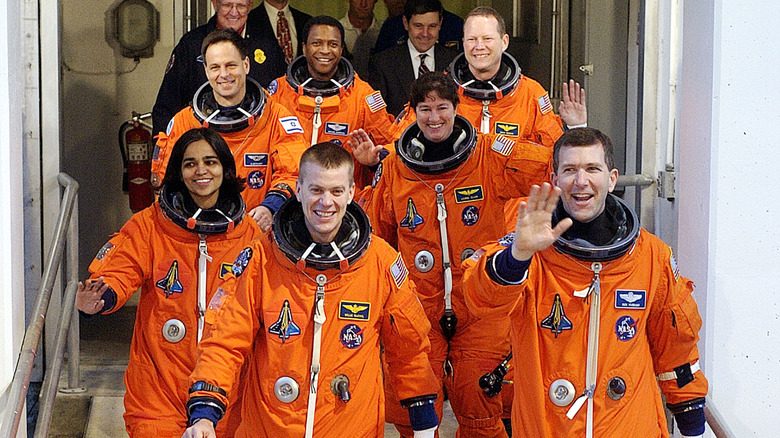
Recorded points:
(403, 210)
(649, 327)
(267, 145)
(350, 105)
(520, 109)
(266, 314)
(161, 257)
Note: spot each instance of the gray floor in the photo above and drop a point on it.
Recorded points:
(105, 345)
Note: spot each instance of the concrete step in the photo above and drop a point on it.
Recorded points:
(105, 418)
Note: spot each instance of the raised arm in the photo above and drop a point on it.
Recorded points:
(534, 231)
(573, 109)
(364, 150)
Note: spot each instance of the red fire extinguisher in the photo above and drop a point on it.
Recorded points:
(135, 143)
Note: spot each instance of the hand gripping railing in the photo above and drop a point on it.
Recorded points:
(67, 222)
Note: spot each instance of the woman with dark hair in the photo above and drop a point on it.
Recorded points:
(176, 251)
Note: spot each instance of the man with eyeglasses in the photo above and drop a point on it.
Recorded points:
(184, 73)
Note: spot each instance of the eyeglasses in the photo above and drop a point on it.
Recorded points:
(242, 8)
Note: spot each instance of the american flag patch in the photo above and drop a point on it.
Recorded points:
(375, 101)
(545, 106)
(675, 267)
(503, 145)
(399, 271)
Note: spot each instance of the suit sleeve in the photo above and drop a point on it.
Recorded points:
(125, 262)
(377, 123)
(164, 146)
(405, 338)
(528, 163)
(232, 321)
(485, 293)
(548, 127)
(285, 156)
(673, 329)
(379, 204)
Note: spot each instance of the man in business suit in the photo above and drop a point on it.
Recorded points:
(394, 70)
(266, 18)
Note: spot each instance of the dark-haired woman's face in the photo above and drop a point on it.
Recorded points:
(201, 172)
(435, 117)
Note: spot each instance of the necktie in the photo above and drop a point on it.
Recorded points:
(423, 68)
(283, 35)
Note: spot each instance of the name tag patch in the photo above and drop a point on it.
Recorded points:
(334, 128)
(468, 194)
(508, 129)
(255, 160)
(354, 310)
(630, 299)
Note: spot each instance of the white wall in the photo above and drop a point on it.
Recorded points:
(95, 102)
(11, 221)
(728, 237)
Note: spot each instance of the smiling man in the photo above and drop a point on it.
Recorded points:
(437, 200)
(599, 310)
(184, 72)
(309, 305)
(265, 138)
(330, 100)
(394, 69)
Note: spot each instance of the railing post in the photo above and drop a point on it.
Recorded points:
(21, 380)
(72, 265)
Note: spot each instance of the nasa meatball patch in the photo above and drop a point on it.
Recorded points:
(625, 328)
(351, 336)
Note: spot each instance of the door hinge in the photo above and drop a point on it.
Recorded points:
(665, 182)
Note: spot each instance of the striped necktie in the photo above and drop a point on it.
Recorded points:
(423, 68)
(283, 35)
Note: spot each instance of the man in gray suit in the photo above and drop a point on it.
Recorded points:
(392, 71)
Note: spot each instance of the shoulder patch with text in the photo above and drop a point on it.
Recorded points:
(354, 310)
(334, 128)
(468, 194)
(508, 129)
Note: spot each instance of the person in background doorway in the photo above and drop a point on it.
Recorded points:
(393, 70)
(393, 32)
(361, 29)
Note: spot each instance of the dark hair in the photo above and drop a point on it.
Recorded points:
(584, 137)
(221, 35)
(419, 7)
(433, 82)
(321, 20)
(487, 11)
(231, 183)
(329, 156)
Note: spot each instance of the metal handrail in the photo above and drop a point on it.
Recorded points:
(716, 421)
(32, 336)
